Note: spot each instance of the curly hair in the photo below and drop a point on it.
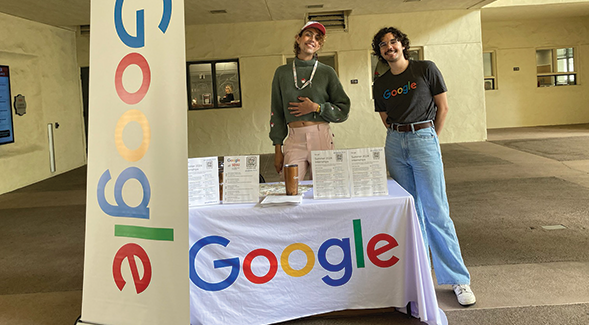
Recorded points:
(399, 35)
(321, 41)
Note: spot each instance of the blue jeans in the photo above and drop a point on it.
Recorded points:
(414, 160)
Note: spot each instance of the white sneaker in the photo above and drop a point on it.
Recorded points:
(464, 294)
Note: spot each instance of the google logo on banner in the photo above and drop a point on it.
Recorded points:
(131, 251)
(372, 251)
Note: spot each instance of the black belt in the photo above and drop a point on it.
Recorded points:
(411, 127)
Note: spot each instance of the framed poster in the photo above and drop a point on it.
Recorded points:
(6, 127)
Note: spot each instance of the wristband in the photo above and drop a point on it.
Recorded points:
(318, 110)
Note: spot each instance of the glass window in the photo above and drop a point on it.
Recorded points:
(415, 54)
(489, 70)
(227, 74)
(544, 61)
(201, 84)
(213, 84)
(556, 67)
(565, 60)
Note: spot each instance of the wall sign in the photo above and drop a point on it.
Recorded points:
(20, 105)
(6, 126)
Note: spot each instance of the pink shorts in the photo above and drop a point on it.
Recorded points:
(301, 141)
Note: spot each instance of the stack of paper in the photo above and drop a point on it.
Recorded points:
(281, 200)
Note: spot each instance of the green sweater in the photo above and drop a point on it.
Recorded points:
(325, 90)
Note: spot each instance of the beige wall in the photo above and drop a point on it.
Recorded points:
(518, 101)
(44, 65)
(452, 39)
(43, 68)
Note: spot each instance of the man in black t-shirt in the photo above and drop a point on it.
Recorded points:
(411, 100)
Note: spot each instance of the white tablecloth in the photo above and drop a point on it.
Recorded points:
(254, 265)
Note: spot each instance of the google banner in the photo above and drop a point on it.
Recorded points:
(253, 265)
(135, 269)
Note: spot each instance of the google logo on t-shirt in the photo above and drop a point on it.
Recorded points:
(372, 251)
(399, 91)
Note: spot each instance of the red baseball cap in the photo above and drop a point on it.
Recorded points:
(314, 24)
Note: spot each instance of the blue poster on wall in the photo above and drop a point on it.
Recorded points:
(6, 129)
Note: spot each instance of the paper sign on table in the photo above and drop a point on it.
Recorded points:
(369, 172)
(331, 174)
(349, 173)
(203, 181)
(241, 179)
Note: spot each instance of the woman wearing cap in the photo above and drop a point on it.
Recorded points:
(306, 96)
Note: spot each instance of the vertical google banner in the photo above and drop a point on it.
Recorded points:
(136, 261)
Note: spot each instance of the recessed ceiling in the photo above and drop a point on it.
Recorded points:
(536, 12)
(77, 12)
(72, 13)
